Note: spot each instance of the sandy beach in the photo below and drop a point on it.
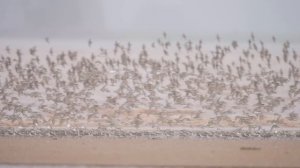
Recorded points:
(173, 83)
(90, 151)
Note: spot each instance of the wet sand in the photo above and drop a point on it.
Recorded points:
(144, 152)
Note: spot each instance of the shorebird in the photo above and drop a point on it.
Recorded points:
(32, 50)
(47, 40)
(90, 42)
(7, 49)
(135, 78)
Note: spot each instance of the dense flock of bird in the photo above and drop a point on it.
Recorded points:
(164, 83)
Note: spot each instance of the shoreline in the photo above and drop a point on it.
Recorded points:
(139, 133)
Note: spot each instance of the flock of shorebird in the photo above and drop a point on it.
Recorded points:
(180, 83)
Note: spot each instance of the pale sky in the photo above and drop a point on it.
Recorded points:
(147, 18)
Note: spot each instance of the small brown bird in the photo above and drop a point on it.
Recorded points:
(90, 42)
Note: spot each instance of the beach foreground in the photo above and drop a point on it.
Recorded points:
(91, 151)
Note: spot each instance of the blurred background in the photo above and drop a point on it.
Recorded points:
(123, 19)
